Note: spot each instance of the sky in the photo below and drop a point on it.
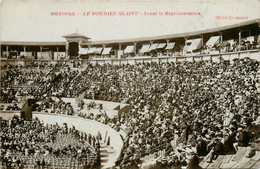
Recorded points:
(28, 20)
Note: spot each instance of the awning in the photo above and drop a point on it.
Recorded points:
(98, 50)
(214, 40)
(129, 49)
(91, 50)
(145, 48)
(83, 51)
(153, 46)
(170, 45)
(196, 43)
(161, 45)
(250, 39)
(106, 51)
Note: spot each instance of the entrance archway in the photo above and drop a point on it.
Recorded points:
(73, 49)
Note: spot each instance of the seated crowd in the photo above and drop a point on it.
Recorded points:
(32, 143)
(224, 47)
(179, 109)
(13, 77)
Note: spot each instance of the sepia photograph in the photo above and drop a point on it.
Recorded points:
(114, 84)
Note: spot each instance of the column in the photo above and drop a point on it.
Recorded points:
(135, 43)
(24, 50)
(57, 52)
(202, 44)
(7, 49)
(221, 38)
(151, 42)
(202, 41)
(41, 50)
(239, 39)
(119, 53)
(79, 44)
(103, 49)
(167, 51)
(67, 49)
(184, 48)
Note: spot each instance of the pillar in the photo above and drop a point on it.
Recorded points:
(79, 44)
(221, 38)
(104, 46)
(151, 42)
(167, 51)
(119, 53)
(135, 43)
(24, 50)
(202, 41)
(239, 39)
(67, 49)
(41, 50)
(202, 44)
(184, 48)
(57, 52)
(7, 49)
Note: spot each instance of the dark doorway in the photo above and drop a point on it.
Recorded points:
(73, 49)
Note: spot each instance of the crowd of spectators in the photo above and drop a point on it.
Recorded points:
(13, 78)
(59, 107)
(224, 47)
(230, 47)
(32, 143)
(179, 109)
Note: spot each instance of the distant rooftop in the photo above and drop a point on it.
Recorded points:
(76, 35)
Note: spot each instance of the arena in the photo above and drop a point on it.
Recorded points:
(188, 100)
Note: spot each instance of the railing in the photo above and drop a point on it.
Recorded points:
(254, 54)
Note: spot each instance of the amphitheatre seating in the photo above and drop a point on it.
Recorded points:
(238, 160)
(185, 87)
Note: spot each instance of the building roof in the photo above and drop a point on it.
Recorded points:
(76, 35)
(32, 43)
(178, 35)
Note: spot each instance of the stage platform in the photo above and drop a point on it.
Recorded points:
(110, 108)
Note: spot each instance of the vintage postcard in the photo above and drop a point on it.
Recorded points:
(130, 84)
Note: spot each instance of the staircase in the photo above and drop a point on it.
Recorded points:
(105, 153)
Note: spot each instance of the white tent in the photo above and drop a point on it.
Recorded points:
(153, 46)
(98, 50)
(145, 48)
(161, 45)
(195, 44)
(250, 39)
(83, 51)
(106, 50)
(170, 45)
(214, 40)
(129, 49)
(91, 50)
